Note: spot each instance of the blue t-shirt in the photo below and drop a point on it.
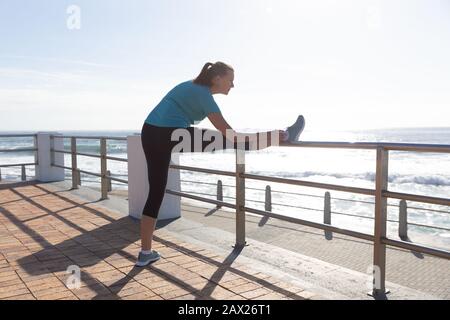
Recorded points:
(186, 104)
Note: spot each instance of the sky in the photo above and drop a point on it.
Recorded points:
(344, 65)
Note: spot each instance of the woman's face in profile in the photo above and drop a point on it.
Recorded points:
(223, 84)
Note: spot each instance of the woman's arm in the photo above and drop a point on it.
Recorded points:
(227, 131)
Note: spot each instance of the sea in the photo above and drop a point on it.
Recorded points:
(422, 173)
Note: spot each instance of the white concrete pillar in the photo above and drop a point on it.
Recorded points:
(44, 171)
(138, 186)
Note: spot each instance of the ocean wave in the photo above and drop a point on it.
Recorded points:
(95, 148)
(432, 180)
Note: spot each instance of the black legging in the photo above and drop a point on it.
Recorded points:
(157, 145)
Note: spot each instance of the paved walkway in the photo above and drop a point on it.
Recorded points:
(414, 270)
(43, 231)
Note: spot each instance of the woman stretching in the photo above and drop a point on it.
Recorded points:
(186, 104)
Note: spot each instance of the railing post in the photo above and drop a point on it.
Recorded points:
(403, 220)
(73, 150)
(109, 181)
(24, 174)
(240, 198)
(327, 208)
(219, 193)
(52, 148)
(268, 200)
(78, 173)
(379, 249)
(0, 174)
(103, 169)
(36, 158)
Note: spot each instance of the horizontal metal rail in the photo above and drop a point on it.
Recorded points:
(426, 226)
(423, 209)
(93, 174)
(283, 205)
(92, 155)
(371, 145)
(353, 200)
(311, 224)
(116, 159)
(18, 164)
(290, 219)
(314, 196)
(414, 247)
(349, 214)
(331, 145)
(17, 135)
(205, 194)
(417, 198)
(321, 210)
(58, 166)
(396, 243)
(201, 182)
(311, 184)
(117, 179)
(60, 151)
(92, 137)
(82, 171)
(215, 184)
(212, 171)
(89, 155)
(352, 215)
(77, 153)
(295, 193)
(388, 220)
(288, 205)
(18, 150)
(186, 195)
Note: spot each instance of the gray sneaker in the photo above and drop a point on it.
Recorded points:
(145, 259)
(296, 129)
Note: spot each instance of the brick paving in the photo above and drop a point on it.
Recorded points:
(44, 231)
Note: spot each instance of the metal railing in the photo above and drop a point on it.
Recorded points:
(104, 175)
(402, 222)
(381, 194)
(22, 165)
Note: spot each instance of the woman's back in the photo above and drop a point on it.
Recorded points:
(186, 104)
